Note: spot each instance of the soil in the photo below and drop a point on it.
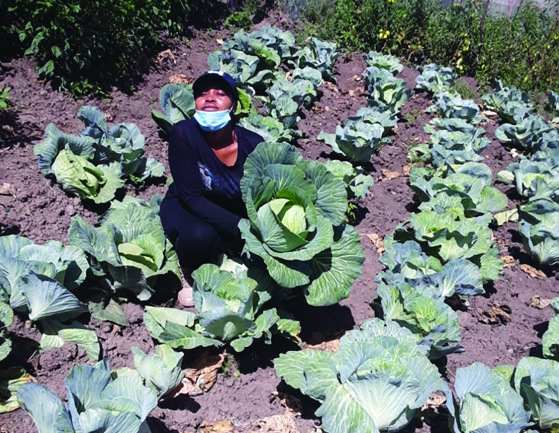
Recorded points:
(247, 389)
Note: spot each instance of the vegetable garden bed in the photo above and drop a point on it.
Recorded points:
(500, 327)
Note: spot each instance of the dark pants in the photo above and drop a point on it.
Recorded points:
(196, 241)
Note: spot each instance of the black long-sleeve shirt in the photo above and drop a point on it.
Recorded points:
(204, 185)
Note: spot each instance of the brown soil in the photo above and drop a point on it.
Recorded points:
(40, 210)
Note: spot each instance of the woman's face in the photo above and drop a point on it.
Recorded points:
(213, 98)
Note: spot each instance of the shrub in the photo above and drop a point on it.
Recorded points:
(84, 46)
(521, 50)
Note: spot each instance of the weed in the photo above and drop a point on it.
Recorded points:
(413, 115)
(4, 97)
(238, 20)
(464, 90)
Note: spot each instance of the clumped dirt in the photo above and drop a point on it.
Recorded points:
(498, 328)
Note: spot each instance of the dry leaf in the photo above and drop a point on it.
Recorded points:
(332, 86)
(360, 89)
(489, 113)
(495, 315)
(389, 175)
(6, 189)
(406, 169)
(201, 377)
(219, 41)
(533, 272)
(537, 302)
(166, 56)
(352, 93)
(280, 423)
(327, 108)
(377, 242)
(356, 78)
(216, 427)
(326, 346)
(508, 261)
(180, 78)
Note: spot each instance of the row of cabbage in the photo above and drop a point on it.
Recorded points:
(381, 374)
(536, 174)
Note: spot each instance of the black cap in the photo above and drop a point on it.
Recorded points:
(223, 78)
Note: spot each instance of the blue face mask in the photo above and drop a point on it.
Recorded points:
(213, 120)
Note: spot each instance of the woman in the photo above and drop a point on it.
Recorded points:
(203, 206)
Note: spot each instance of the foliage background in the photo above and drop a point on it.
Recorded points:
(521, 49)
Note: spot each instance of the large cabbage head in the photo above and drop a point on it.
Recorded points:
(295, 213)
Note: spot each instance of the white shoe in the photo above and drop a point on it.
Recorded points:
(185, 297)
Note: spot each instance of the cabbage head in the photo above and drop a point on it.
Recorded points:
(295, 213)
(485, 403)
(375, 382)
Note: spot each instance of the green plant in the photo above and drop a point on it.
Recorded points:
(550, 338)
(231, 308)
(95, 163)
(376, 381)
(4, 97)
(239, 20)
(296, 209)
(413, 115)
(537, 381)
(128, 249)
(86, 46)
(523, 50)
(485, 402)
(96, 402)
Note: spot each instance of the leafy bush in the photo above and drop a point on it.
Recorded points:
(85, 46)
(295, 214)
(95, 163)
(96, 402)
(230, 309)
(128, 249)
(522, 50)
(485, 402)
(375, 382)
